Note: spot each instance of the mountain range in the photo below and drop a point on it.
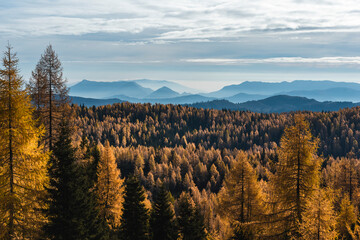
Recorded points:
(254, 96)
(277, 104)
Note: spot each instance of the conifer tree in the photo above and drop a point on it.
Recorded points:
(162, 218)
(346, 219)
(297, 173)
(23, 162)
(72, 211)
(343, 174)
(240, 199)
(134, 220)
(109, 189)
(191, 223)
(49, 93)
(319, 217)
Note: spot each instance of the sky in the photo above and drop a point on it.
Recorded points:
(204, 44)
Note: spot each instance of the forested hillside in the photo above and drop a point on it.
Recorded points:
(195, 150)
(129, 124)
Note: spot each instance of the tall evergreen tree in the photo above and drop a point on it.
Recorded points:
(23, 162)
(162, 218)
(71, 212)
(109, 190)
(297, 173)
(191, 223)
(134, 220)
(49, 93)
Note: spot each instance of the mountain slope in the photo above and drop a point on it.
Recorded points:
(331, 94)
(275, 88)
(278, 104)
(89, 102)
(244, 97)
(156, 84)
(163, 92)
(106, 89)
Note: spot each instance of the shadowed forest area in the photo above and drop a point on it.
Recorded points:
(141, 171)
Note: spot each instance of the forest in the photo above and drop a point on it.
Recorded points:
(149, 171)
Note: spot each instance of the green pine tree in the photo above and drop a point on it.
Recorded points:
(134, 221)
(162, 219)
(191, 222)
(72, 209)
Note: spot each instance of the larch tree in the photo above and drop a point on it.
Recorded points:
(346, 219)
(343, 174)
(297, 173)
(240, 199)
(23, 163)
(162, 218)
(109, 189)
(49, 93)
(319, 218)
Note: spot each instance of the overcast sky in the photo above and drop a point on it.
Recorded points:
(201, 43)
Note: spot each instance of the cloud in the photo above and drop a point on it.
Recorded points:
(328, 61)
(182, 19)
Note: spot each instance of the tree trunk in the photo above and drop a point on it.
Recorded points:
(11, 164)
(50, 109)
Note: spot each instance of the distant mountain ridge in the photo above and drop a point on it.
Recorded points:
(181, 99)
(331, 94)
(156, 84)
(163, 92)
(89, 102)
(274, 104)
(277, 104)
(106, 89)
(132, 91)
(275, 88)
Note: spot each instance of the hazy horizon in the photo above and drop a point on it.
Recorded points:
(204, 45)
(212, 88)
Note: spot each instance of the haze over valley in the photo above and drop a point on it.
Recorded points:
(303, 95)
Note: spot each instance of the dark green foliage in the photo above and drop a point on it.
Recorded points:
(162, 220)
(191, 222)
(71, 213)
(134, 221)
(92, 168)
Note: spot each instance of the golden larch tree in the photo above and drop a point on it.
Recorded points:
(109, 188)
(297, 173)
(240, 199)
(23, 172)
(319, 218)
(346, 219)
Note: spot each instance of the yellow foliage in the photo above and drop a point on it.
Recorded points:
(297, 173)
(319, 220)
(346, 218)
(109, 188)
(23, 162)
(240, 200)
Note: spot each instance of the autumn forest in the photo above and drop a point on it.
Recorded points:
(132, 171)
